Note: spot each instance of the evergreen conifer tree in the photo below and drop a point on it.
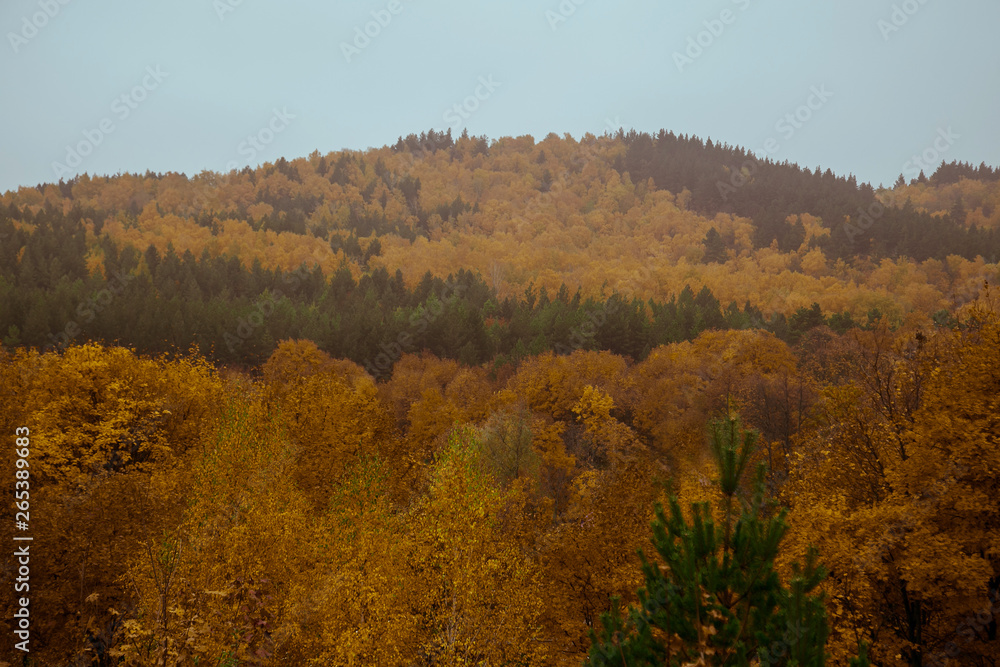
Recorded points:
(715, 247)
(717, 598)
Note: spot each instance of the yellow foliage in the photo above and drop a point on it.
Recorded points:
(894, 481)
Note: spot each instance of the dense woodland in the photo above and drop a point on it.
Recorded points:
(159, 303)
(626, 399)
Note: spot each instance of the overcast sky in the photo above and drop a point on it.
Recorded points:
(104, 86)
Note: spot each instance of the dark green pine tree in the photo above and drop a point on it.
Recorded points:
(715, 247)
(803, 320)
(716, 599)
(958, 212)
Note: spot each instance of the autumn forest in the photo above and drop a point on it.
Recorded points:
(631, 399)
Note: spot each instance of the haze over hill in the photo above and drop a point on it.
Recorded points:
(594, 67)
(289, 379)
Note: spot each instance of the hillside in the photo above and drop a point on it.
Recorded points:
(417, 404)
(646, 220)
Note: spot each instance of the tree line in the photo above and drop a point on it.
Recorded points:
(157, 302)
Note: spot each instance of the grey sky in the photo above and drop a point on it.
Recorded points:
(229, 69)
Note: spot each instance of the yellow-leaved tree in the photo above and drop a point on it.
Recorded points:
(110, 436)
(333, 413)
(896, 481)
(215, 587)
(448, 581)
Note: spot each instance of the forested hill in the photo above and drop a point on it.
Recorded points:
(349, 248)
(418, 404)
(732, 180)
